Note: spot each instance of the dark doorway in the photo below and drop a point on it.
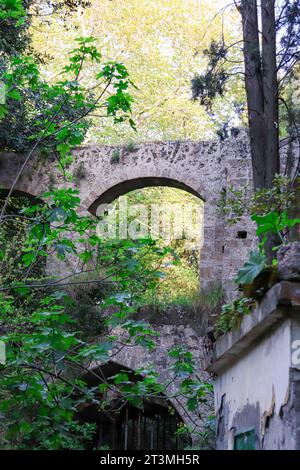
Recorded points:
(153, 426)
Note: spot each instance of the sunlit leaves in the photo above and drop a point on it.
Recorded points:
(12, 10)
(274, 222)
(85, 50)
(57, 114)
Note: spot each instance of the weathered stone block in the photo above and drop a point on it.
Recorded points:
(289, 262)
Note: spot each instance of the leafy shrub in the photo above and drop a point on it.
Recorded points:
(233, 313)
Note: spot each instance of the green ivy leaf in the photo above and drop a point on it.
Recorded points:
(28, 258)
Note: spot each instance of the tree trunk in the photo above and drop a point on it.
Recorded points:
(254, 90)
(270, 91)
(262, 95)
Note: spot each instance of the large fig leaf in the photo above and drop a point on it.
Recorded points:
(252, 268)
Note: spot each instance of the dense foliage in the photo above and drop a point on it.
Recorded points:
(225, 64)
(179, 283)
(49, 348)
(161, 44)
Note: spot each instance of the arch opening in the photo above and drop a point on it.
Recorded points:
(173, 218)
(17, 193)
(152, 426)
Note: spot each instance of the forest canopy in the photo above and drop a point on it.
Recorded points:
(162, 45)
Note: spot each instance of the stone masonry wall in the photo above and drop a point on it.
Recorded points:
(170, 336)
(203, 168)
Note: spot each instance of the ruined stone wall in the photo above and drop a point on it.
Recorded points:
(102, 173)
(206, 169)
(170, 336)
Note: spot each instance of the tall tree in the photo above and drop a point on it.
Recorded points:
(270, 53)
(261, 89)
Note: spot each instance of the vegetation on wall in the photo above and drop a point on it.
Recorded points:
(232, 314)
(273, 210)
(179, 283)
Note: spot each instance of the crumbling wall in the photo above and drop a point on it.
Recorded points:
(253, 390)
(257, 369)
(170, 336)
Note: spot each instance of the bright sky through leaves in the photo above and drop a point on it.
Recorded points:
(161, 43)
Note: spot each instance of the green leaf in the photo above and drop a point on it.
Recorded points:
(15, 95)
(97, 352)
(28, 258)
(266, 223)
(121, 378)
(3, 111)
(86, 256)
(252, 268)
(63, 149)
(192, 404)
(132, 124)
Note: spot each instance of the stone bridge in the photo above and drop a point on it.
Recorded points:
(205, 169)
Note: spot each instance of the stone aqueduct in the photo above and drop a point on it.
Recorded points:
(204, 169)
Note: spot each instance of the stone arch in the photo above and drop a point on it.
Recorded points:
(204, 168)
(170, 334)
(114, 188)
(20, 193)
(126, 186)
